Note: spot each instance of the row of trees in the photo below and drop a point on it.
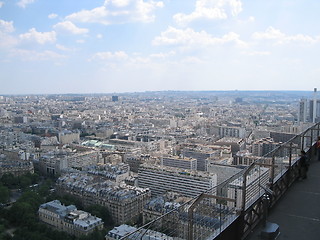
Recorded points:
(22, 182)
(9, 181)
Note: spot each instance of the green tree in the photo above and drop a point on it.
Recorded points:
(33, 198)
(25, 181)
(4, 194)
(96, 235)
(101, 212)
(9, 180)
(44, 189)
(22, 213)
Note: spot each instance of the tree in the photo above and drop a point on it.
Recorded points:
(101, 212)
(96, 235)
(25, 182)
(21, 213)
(9, 180)
(4, 194)
(45, 188)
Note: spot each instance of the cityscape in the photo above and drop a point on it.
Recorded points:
(159, 120)
(103, 166)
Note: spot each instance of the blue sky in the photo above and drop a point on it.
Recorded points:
(91, 46)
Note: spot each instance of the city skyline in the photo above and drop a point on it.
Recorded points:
(144, 45)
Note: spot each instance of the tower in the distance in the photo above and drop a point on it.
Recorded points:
(303, 110)
(115, 98)
(314, 115)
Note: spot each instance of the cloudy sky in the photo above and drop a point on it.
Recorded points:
(105, 46)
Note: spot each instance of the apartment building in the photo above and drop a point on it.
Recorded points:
(179, 162)
(124, 202)
(68, 218)
(186, 182)
(17, 167)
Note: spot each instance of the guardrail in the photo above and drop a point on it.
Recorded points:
(233, 208)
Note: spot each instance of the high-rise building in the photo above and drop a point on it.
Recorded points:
(309, 112)
(314, 108)
(303, 107)
(115, 98)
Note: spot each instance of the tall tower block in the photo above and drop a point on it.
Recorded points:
(314, 105)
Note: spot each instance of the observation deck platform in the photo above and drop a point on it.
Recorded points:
(298, 211)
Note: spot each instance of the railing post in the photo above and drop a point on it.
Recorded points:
(190, 223)
(290, 155)
(290, 164)
(312, 149)
(272, 170)
(244, 191)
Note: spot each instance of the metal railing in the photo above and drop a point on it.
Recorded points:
(235, 201)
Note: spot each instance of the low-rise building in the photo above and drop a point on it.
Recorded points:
(68, 218)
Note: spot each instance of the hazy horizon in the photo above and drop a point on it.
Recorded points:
(305, 92)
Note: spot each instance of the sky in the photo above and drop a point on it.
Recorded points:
(109, 46)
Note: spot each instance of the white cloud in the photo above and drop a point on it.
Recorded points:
(191, 60)
(210, 9)
(251, 19)
(1, 4)
(52, 15)
(99, 36)
(162, 55)
(256, 53)
(188, 37)
(119, 58)
(6, 27)
(118, 11)
(39, 37)
(96, 15)
(63, 48)
(6, 40)
(109, 56)
(29, 55)
(281, 38)
(119, 3)
(69, 27)
(24, 3)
